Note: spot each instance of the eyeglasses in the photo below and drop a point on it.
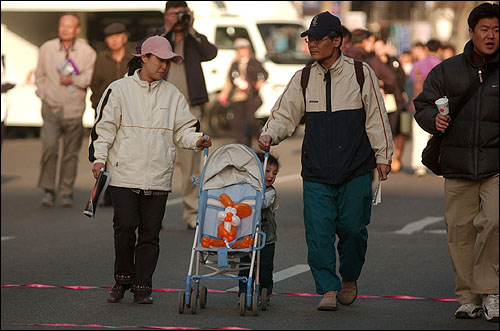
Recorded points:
(311, 40)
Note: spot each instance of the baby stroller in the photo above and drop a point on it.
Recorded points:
(230, 196)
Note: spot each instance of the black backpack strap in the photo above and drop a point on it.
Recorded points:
(304, 80)
(360, 76)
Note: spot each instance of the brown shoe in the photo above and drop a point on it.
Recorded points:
(142, 298)
(348, 293)
(329, 301)
(117, 292)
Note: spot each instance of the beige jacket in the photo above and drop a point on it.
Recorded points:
(136, 130)
(68, 99)
(345, 95)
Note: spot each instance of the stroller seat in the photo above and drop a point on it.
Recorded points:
(239, 193)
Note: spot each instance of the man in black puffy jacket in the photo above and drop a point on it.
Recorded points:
(469, 160)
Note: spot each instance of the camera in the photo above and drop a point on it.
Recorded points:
(183, 17)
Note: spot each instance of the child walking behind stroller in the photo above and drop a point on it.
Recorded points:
(268, 226)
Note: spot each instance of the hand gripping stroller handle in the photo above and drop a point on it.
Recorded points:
(205, 152)
(263, 241)
(266, 157)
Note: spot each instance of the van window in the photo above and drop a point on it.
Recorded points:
(225, 36)
(284, 44)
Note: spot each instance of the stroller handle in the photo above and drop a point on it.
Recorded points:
(205, 152)
(266, 157)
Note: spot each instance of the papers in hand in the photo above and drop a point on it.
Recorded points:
(68, 68)
(100, 186)
(377, 195)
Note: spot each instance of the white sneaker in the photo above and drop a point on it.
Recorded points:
(67, 201)
(420, 172)
(490, 307)
(469, 310)
(48, 200)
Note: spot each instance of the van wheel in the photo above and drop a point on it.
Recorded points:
(219, 119)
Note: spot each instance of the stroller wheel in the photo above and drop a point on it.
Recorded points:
(263, 299)
(180, 301)
(192, 303)
(243, 306)
(203, 297)
(255, 301)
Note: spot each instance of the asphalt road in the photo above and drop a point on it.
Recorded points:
(57, 263)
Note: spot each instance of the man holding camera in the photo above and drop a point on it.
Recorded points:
(188, 78)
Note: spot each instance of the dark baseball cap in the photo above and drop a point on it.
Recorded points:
(322, 24)
(114, 28)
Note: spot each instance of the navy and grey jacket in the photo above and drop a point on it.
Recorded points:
(347, 133)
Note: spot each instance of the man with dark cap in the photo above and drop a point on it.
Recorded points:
(348, 135)
(110, 65)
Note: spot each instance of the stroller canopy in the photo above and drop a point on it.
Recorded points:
(233, 164)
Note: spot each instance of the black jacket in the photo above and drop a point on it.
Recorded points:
(197, 49)
(470, 145)
(255, 72)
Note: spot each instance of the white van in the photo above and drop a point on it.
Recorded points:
(273, 28)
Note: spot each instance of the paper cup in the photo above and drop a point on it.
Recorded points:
(442, 106)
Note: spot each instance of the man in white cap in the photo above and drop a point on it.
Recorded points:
(141, 119)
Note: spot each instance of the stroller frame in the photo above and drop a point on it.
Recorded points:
(227, 258)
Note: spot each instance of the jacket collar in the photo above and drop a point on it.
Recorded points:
(137, 78)
(71, 47)
(469, 50)
(335, 68)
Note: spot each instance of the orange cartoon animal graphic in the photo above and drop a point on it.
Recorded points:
(230, 218)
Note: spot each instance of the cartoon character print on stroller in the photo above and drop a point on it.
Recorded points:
(230, 196)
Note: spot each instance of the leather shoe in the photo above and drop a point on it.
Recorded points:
(348, 293)
(329, 301)
(117, 292)
(142, 298)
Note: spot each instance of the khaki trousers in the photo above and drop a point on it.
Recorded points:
(471, 211)
(71, 132)
(190, 165)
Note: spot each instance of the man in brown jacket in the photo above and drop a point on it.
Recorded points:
(110, 65)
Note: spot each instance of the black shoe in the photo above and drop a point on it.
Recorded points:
(143, 298)
(117, 292)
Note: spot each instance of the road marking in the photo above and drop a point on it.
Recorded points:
(419, 225)
(283, 274)
(440, 231)
(7, 238)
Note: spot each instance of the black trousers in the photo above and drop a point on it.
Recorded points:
(136, 256)
(244, 125)
(266, 269)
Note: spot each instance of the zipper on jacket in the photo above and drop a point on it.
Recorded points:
(147, 136)
(328, 89)
(477, 117)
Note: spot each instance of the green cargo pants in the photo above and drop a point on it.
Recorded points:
(343, 210)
